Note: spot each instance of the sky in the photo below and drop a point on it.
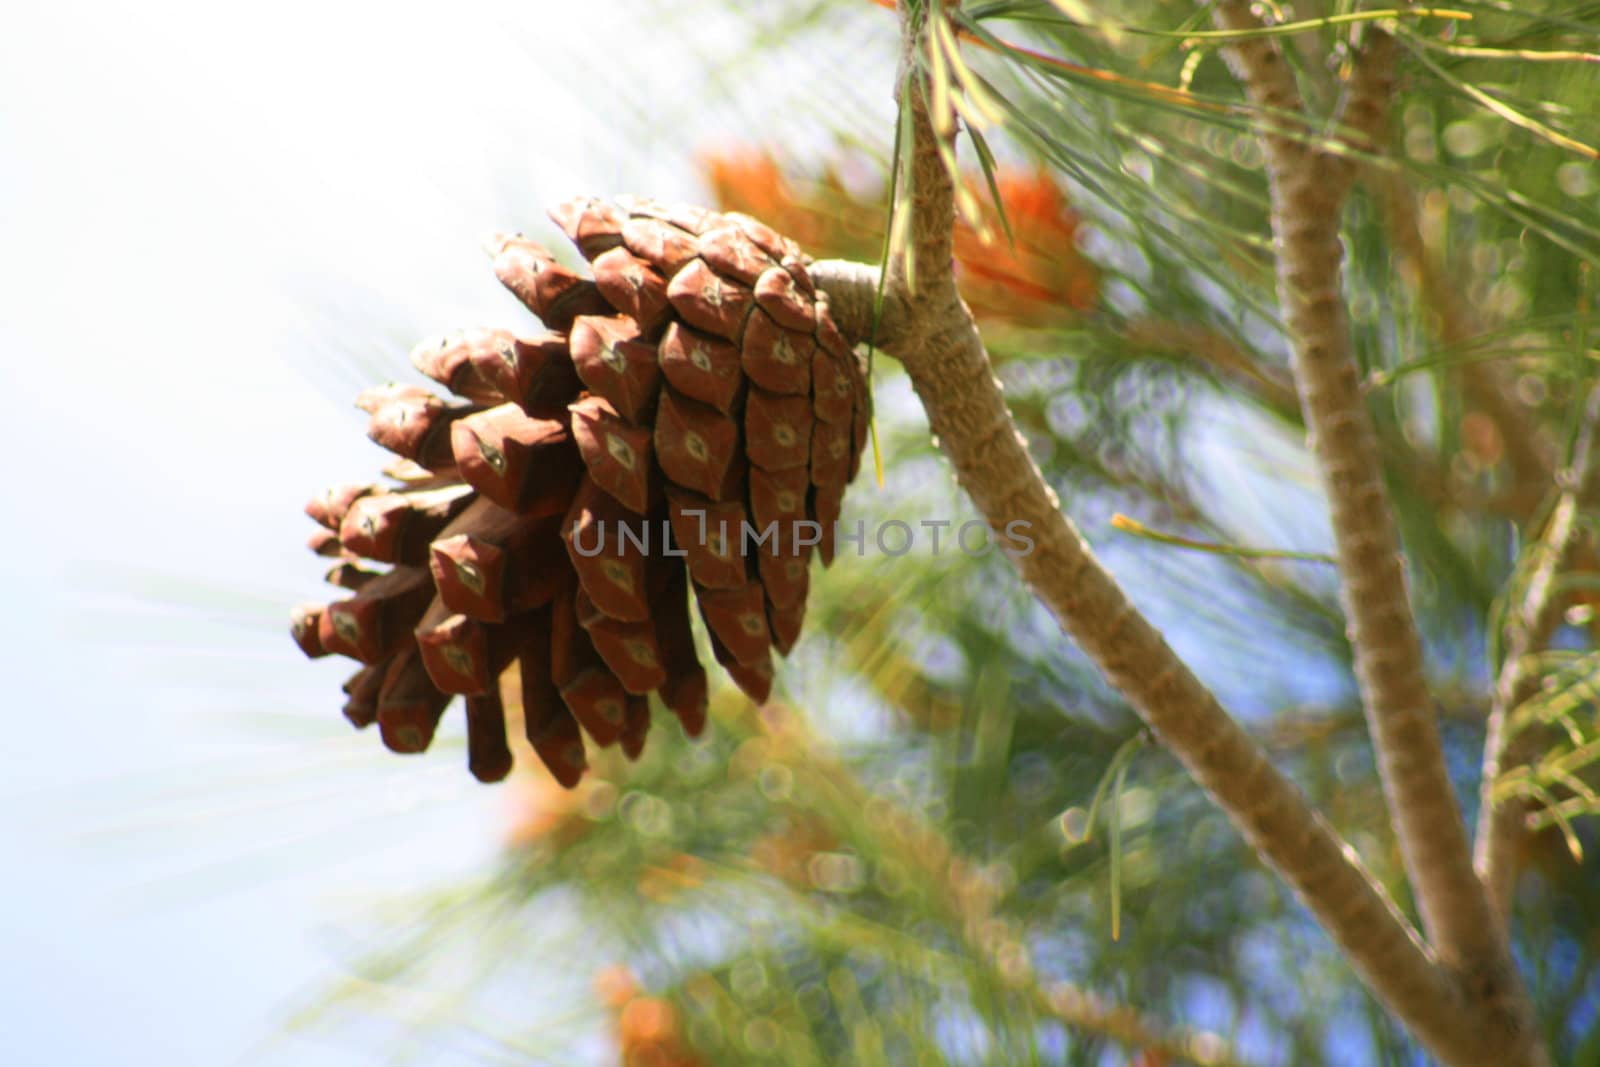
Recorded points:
(218, 223)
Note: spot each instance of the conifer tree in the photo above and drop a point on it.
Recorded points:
(1288, 309)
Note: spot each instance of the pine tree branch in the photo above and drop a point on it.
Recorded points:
(1086, 1011)
(932, 333)
(1307, 188)
(950, 371)
(1307, 193)
(1502, 825)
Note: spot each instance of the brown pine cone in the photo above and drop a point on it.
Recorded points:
(687, 423)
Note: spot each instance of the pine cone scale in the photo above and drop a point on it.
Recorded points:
(684, 416)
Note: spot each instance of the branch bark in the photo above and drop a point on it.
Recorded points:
(1308, 186)
(933, 334)
(1478, 1021)
(1502, 826)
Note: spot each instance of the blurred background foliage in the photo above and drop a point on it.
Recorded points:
(947, 841)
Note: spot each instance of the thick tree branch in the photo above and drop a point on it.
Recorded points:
(1307, 187)
(933, 334)
(1502, 826)
(950, 370)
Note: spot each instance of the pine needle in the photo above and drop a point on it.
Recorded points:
(1129, 525)
(1284, 29)
(1505, 111)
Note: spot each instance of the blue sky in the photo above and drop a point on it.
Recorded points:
(216, 223)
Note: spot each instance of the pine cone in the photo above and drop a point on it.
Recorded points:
(690, 397)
